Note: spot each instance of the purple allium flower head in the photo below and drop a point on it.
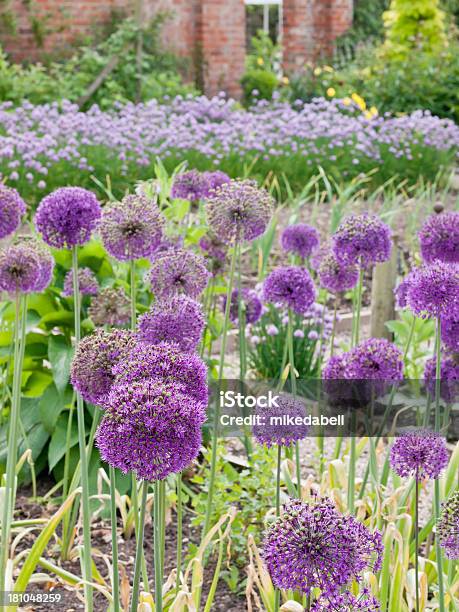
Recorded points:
(239, 210)
(132, 228)
(439, 238)
(45, 274)
(178, 272)
(167, 362)
(375, 359)
(12, 207)
(96, 355)
(300, 239)
(449, 377)
(313, 545)
(151, 428)
(420, 453)
(362, 239)
(270, 432)
(25, 266)
(251, 304)
(450, 332)
(178, 321)
(434, 290)
(448, 526)
(401, 292)
(110, 307)
(335, 275)
(215, 252)
(216, 179)
(192, 185)
(291, 286)
(271, 330)
(67, 217)
(347, 602)
(87, 282)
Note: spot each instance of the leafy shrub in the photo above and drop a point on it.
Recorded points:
(263, 68)
(259, 84)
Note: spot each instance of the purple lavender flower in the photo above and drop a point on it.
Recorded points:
(450, 332)
(67, 217)
(192, 185)
(362, 239)
(91, 372)
(132, 228)
(87, 282)
(12, 208)
(178, 272)
(272, 430)
(216, 179)
(25, 266)
(448, 526)
(239, 210)
(439, 238)
(434, 290)
(300, 239)
(151, 428)
(312, 545)
(449, 377)
(167, 362)
(251, 304)
(110, 307)
(290, 286)
(336, 276)
(420, 453)
(347, 602)
(178, 321)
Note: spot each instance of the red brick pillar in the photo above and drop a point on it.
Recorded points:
(222, 42)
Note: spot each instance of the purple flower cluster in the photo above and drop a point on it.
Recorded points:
(67, 217)
(300, 239)
(450, 332)
(347, 602)
(12, 208)
(312, 545)
(26, 266)
(448, 526)
(132, 228)
(239, 210)
(179, 320)
(290, 286)
(110, 307)
(215, 252)
(194, 185)
(420, 453)
(449, 377)
(176, 272)
(336, 276)
(250, 303)
(439, 238)
(362, 239)
(433, 290)
(270, 432)
(96, 355)
(87, 283)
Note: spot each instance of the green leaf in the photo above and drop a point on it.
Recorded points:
(60, 355)
(51, 405)
(57, 446)
(36, 383)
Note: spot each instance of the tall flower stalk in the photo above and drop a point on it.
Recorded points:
(437, 493)
(291, 357)
(139, 548)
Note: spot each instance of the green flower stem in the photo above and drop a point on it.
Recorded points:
(332, 339)
(291, 358)
(416, 540)
(86, 511)
(116, 579)
(208, 301)
(133, 294)
(179, 528)
(213, 458)
(358, 307)
(158, 549)
(352, 460)
(437, 493)
(139, 548)
(8, 507)
(242, 346)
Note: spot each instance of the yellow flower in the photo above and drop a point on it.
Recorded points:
(285, 80)
(260, 61)
(328, 69)
(331, 92)
(374, 111)
(359, 101)
(347, 101)
(317, 71)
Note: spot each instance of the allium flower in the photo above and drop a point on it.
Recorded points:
(192, 185)
(178, 272)
(132, 228)
(347, 602)
(272, 429)
(439, 238)
(420, 453)
(250, 302)
(290, 286)
(271, 330)
(448, 526)
(178, 321)
(67, 217)
(401, 292)
(375, 359)
(312, 545)
(450, 332)
(213, 247)
(216, 179)
(434, 290)
(151, 428)
(239, 210)
(167, 362)
(25, 266)
(12, 207)
(111, 307)
(87, 282)
(300, 239)
(449, 376)
(96, 355)
(362, 239)
(336, 276)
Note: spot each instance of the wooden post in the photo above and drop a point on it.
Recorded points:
(382, 296)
